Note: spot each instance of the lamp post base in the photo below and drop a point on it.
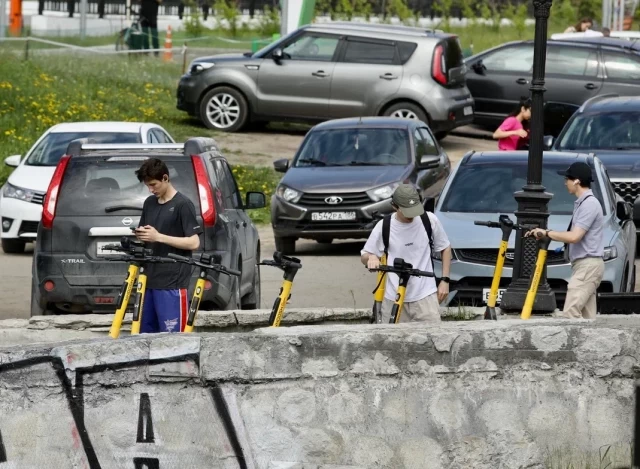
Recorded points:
(532, 210)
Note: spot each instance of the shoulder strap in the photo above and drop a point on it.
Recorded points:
(386, 230)
(427, 226)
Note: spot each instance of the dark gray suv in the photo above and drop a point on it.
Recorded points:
(346, 170)
(334, 70)
(95, 197)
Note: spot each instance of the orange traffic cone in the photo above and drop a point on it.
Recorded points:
(168, 46)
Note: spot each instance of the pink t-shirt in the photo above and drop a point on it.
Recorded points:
(509, 143)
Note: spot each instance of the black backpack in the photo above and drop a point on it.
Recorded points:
(386, 230)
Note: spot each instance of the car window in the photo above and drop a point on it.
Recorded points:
(576, 61)
(602, 131)
(621, 67)
(227, 185)
(608, 187)
(510, 59)
(91, 185)
(151, 137)
(430, 146)
(488, 188)
(312, 47)
(361, 52)
(355, 147)
(54, 145)
(160, 136)
(405, 50)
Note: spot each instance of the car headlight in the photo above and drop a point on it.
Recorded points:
(13, 192)
(199, 67)
(288, 194)
(382, 193)
(610, 252)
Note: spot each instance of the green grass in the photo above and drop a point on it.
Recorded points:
(47, 90)
(608, 457)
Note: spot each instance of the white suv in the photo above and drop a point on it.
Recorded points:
(22, 195)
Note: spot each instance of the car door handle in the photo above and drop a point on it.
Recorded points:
(320, 74)
(388, 76)
(590, 86)
(522, 81)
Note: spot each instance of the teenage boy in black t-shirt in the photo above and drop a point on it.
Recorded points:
(168, 224)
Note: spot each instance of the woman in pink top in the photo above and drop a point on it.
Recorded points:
(511, 134)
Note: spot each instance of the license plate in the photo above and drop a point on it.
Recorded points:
(468, 110)
(102, 252)
(486, 291)
(333, 216)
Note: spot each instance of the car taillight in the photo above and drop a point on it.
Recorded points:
(207, 207)
(51, 199)
(438, 67)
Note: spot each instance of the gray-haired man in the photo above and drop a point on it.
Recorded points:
(585, 241)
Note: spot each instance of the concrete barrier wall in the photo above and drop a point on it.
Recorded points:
(479, 394)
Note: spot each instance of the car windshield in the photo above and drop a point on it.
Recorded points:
(352, 147)
(489, 187)
(92, 187)
(54, 145)
(603, 131)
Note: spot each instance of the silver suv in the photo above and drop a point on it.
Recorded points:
(334, 70)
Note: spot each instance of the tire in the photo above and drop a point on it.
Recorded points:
(285, 245)
(407, 110)
(225, 109)
(13, 246)
(252, 300)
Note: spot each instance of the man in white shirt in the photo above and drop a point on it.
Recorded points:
(408, 240)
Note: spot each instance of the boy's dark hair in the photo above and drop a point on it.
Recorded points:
(153, 168)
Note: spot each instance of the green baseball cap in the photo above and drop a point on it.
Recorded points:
(407, 199)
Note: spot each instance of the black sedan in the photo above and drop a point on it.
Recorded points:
(576, 70)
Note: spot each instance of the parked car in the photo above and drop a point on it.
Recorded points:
(334, 70)
(95, 197)
(346, 170)
(22, 195)
(481, 187)
(576, 70)
(608, 126)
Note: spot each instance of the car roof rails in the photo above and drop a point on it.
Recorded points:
(595, 99)
(392, 28)
(193, 146)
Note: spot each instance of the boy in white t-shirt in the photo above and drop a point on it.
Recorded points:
(408, 240)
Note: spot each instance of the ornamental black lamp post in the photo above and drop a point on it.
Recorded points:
(533, 199)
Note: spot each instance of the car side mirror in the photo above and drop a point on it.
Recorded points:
(429, 204)
(623, 211)
(429, 162)
(282, 165)
(277, 55)
(479, 67)
(255, 200)
(547, 142)
(636, 211)
(12, 161)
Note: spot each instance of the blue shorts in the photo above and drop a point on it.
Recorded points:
(164, 311)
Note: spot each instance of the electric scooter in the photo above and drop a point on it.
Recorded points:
(138, 256)
(290, 266)
(405, 271)
(507, 226)
(207, 262)
(541, 259)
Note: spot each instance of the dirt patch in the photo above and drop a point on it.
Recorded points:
(261, 148)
